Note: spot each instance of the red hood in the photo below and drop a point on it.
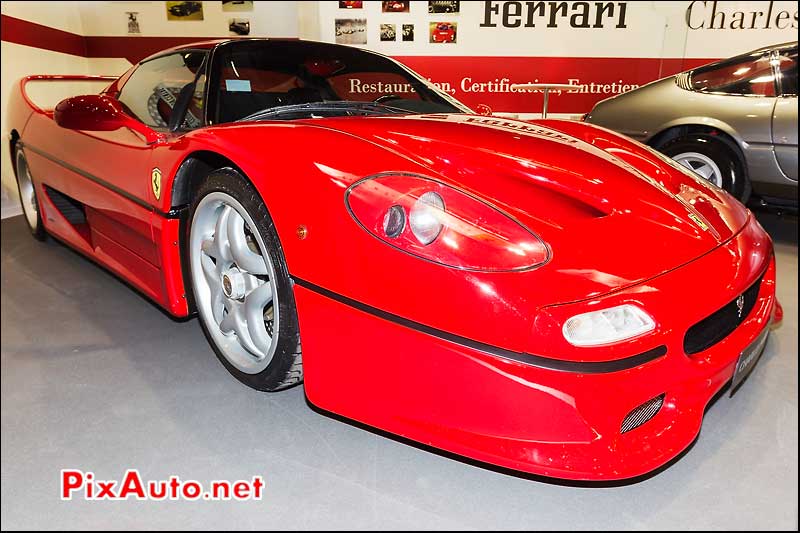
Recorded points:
(612, 213)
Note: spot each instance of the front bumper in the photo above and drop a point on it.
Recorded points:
(542, 421)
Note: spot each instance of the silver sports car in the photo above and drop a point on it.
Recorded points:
(734, 122)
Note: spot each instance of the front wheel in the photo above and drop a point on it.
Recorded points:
(241, 284)
(713, 160)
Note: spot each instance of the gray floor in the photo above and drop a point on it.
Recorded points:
(95, 377)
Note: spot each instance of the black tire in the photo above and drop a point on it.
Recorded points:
(726, 157)
(21, 165)
(286, 367)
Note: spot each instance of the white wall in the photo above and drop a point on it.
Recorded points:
(18, 61)
(654, 29)
(267, 19)
(474, 40)
(60, 15)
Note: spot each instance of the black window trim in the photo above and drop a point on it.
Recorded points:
(776, 68)
(203, 70)
(765, 53)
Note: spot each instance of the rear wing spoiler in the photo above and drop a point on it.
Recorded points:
(55, 77)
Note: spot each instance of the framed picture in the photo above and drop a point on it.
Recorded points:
(237, 5)
(443, 6)
(388, 32)
(133, 22)
(393, 6)
(184, 10)
(351, 4)
(408, 32)
(351, 31)
(239, 26)
(443, 32)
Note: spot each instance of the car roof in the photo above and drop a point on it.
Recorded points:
(209, 44)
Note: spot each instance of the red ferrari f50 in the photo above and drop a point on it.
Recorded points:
(529, 294)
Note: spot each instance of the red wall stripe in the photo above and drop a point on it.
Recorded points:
(486, 80)
(18, 31)
(133, 48)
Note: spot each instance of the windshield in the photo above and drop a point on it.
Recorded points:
(257, 79)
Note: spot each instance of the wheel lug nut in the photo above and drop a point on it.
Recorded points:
(233, 283)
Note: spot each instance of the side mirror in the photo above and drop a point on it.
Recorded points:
(98, 112)
(483, 109)
(93, 112)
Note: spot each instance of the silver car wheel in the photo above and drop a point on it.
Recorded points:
(27, 192)
(702, 165)
(233, 275)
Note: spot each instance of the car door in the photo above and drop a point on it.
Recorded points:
(784, 117)
(106, 176)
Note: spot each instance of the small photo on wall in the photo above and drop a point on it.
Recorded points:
(184, 10)
(393, 6)
(239, 26)
(443, 6)
(351, 4)
(443, 32)
(388, 32)
(408, 32)
(237, 5)
(133, 22)
(351, 31)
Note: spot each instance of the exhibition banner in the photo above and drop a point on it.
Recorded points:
(484, 47)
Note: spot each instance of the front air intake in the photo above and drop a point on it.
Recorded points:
(720, 324)
(642, 414)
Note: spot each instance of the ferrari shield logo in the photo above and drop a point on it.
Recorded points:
(696, 219)
(740, 305)
(155, 181)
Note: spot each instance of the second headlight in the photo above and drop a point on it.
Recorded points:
(607, 326)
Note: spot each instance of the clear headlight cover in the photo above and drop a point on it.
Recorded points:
(607, 326)
(436, 222)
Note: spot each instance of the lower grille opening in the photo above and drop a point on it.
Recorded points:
(719, 325)
(642, 414)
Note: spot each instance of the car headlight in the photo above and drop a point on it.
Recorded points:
(424, 217)
(434, 221)
(607, 326)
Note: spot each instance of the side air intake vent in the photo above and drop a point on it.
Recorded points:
(683, 80)
(642, 414)
(72, 209)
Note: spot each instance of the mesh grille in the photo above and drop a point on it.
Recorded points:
(716, 327)
(682, 80)
(642, 414)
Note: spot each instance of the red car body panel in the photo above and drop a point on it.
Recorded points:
(470, 362)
